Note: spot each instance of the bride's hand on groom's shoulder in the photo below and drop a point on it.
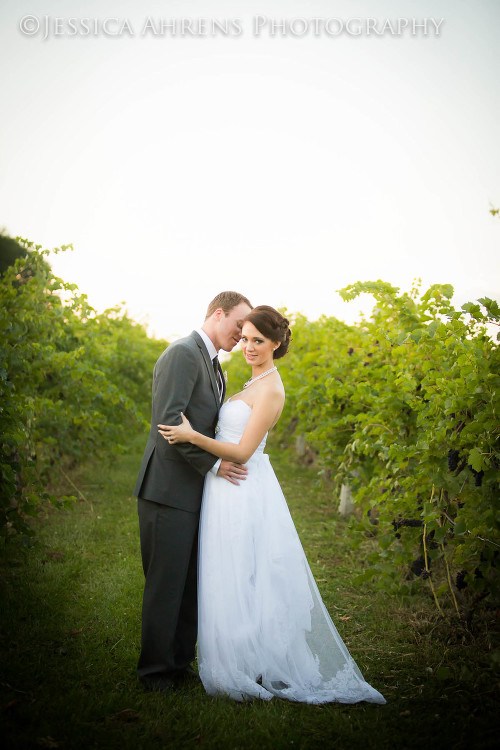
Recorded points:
(181, 433)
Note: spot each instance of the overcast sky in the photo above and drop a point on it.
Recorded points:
(282, 161)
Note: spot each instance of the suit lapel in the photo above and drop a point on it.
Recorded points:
(209, 366)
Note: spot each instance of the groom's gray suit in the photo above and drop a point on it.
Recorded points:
(170, 488)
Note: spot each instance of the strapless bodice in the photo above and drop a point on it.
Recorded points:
(233, 418)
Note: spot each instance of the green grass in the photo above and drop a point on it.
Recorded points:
(71, 631)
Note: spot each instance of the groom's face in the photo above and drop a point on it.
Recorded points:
(228, 327)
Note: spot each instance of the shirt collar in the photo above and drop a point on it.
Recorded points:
(212, 351)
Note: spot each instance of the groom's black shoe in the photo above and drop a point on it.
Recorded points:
(162, 685)
(187, 674)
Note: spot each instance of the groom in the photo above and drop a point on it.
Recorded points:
(188, 378)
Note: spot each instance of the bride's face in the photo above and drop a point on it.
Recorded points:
(257, 349)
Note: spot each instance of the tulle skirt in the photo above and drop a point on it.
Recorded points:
(263, 629)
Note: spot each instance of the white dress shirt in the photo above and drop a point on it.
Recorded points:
(212, 352)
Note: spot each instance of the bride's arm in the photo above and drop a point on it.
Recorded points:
(262, 418)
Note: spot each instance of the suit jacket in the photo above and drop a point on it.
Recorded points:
(183, 380)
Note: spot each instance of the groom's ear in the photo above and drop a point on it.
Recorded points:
(218, 314)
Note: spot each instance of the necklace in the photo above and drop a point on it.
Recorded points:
(263, 375)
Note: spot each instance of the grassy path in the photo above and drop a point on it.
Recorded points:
(71, 628)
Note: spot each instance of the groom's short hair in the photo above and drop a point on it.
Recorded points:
(226, 301)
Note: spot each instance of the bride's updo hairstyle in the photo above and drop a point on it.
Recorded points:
(273, 325)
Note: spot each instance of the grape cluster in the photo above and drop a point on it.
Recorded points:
(412, 522)
(452, 459)
(478, 476)
(460, 581)
(396, 532)
(418, 567)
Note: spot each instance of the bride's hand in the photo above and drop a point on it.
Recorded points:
(177, 434)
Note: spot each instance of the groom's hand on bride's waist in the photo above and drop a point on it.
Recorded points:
(234, 473)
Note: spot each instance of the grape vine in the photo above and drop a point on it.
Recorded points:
(405, 408)
(71, 382)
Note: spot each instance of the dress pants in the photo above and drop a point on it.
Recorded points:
(169, 547)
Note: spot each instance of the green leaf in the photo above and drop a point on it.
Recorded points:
(475, 459)
(473, 310)
(491, 306)
(367, 575)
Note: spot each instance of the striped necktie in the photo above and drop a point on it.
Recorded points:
(218, 376)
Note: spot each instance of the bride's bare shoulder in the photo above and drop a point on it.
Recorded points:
(273, 390)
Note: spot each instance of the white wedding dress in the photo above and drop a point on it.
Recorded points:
(263, 629)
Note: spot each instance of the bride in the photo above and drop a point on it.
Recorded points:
(263, 629)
